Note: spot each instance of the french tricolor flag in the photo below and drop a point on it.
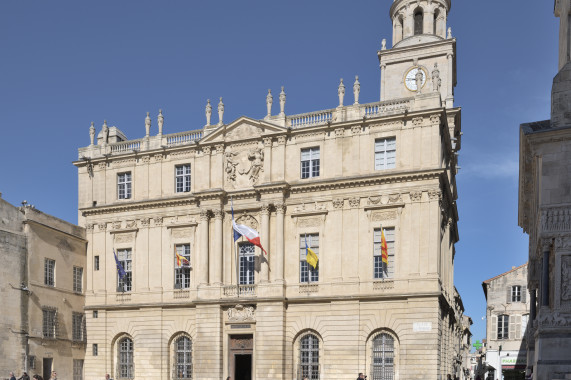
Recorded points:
(252, 235)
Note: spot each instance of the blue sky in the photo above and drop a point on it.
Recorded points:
(67, 63)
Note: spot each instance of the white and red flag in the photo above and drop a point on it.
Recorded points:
(252, 235)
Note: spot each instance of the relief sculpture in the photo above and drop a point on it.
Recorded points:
(566, 278)
(241, 313)
(256, 158)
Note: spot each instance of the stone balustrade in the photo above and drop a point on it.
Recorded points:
(310, 119)
(182, 138)
(125, 146)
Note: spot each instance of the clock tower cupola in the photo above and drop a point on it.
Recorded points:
(422, 59)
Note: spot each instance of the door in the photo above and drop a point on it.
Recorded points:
(240, 356)
(47, 367)
(243, 367)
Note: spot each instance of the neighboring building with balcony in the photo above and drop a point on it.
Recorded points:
(42, 280)
(328, 180)
(507, 301)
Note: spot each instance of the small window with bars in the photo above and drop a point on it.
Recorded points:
(382, 357)
(124, 185)
(380, 269)
(306, 272)
(77, 279)
(309, 357)
(310, 163)
(77, 369)
(125, 259)
(95, 349)
(182, 178)
(182, 268)
(385, 153)
(49, 272)
(96, 263)
(247, 263)
(95, 314)
(125, 362)
(78, 327)
(49, 322)
(182, 368)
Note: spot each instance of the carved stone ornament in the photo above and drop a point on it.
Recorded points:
(204, 214)
(338, 202)
(434, 194)
(374, 200)
(395, 198)
(309, 222)
(206, 150)
(280, 208)
(256, 158)
(241, 313)
(116, 225)
(300, 208)
(146, 222)
(355, 202)
(131, 224)
(566, 278)
(562, 242)
(219, 148)
(556, 219)
(158, 157)
(248, 220)
(265, 209)
(102, 226)
(417, 121)
(282, 140)
(158, 220)
(268, 141)
(146, 159)
(355, 130)
(218, 214)
(378, 216)
(554, 319)
(101, 166)
(415, 196)
(339, 132)
(124, 237)
(435, 119)
(89, 227)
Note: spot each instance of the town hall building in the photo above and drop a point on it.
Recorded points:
(190, 303)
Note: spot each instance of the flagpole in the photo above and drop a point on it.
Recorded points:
(235, 250)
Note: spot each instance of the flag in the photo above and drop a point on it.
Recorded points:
(310, 256)
(384, 251)
(181, 260)
(120, 269)
(241, 230)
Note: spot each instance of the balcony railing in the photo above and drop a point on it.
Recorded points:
(243, 291)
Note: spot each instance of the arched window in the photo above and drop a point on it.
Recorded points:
(418, 21)
(436, 14)
(125, 359)
(182, 363)
(382, 357)
(309, 357)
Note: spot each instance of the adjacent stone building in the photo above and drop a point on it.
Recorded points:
(507, 316)
(41, 282)
(328, 180)
(545, 214)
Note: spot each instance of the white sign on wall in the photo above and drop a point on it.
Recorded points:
(422, 326)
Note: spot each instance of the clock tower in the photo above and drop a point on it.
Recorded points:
(422, 60)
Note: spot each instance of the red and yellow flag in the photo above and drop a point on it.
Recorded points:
(181, 260)
(384, 248)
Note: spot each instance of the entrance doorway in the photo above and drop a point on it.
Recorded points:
(243, 367)
(47, 367)
(240, 357)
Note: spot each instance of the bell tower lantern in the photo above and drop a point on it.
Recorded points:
(424, 21)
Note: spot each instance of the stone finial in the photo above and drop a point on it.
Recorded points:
(92, 133)
(147, 125)
(282, 102)
(436, 81)
(208, 111)
(105, 129)
(341, 92)
(384, 44)
(160, 121)
(269, 102)
(356, 89)
(449, 32)
(220, 112)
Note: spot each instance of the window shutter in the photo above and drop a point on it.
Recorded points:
(512, 325)
(509, 297)
(524, 294)
(494, 332)
(518, 327)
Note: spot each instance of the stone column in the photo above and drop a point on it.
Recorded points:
(532, 304)
(279, 254)
(383, 70)
(450, 96)
(203, 253)
(408, 23)
(217, 256)
(545, 278)
(265, 240)
(397, 31)
(428, 22)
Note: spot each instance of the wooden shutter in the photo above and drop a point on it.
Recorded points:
(509, 296)
(518, 327)
(524, 294)
(494, 332)
(512, 326)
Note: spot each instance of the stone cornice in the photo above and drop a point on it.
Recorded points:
(136, 206)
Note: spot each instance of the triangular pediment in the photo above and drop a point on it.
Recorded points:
(243, 128)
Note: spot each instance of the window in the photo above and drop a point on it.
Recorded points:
(95, 314)
(385, 153)
(182, 178)
(77, 279)
(95, 349)
(418, 21)
(31, 362)
(49, 322)
(125, 362)
(96, 263)
(125, 284)
(524, 320)
(503, 326)
(306, 272)
(247, 263)
(78, 327)
(309, 357)
(516, 293)
(383, 355)
(379, 270)
(182, 271)
(77, 369)
(49, 272)
(182, 358)
(310, 163)
(124, 185)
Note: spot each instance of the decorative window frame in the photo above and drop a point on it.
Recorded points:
(369, 350)
(296, 352)
(115, 355)
(171, 362)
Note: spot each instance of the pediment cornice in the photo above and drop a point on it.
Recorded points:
(242, 129)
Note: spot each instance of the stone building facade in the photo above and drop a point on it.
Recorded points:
(544, 214)
(507, 317)
(42, 279)
(329, 179)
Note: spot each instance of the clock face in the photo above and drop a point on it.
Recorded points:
(410, 78)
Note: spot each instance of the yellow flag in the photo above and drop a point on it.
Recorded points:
(310, 256)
